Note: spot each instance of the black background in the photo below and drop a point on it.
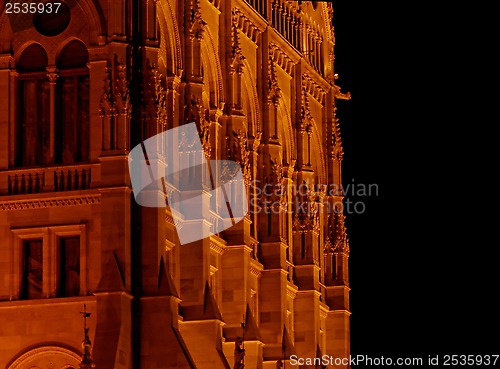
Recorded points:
(423, 267)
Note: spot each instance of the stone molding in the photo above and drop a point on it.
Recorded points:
(50, 203)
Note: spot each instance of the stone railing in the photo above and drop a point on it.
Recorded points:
(49, 179)
(295, 26)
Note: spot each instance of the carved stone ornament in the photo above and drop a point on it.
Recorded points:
(121, 89)
(306, 214)
(193, 110)
(276, 173)
(205, 136)
(273, 90)
(337, 151)
(196, 22)
(154, 95)
(106, 105)
(53, 76)
(39, 358)
(305, 112)
(340, 239)
(237, 149)
(340, 95)
(236, 51)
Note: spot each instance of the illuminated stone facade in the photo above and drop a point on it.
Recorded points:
(77, 92)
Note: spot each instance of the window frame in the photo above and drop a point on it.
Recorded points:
(50, 237)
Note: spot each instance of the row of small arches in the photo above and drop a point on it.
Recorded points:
(34, 57)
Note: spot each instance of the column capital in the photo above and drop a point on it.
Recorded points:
(52, 74)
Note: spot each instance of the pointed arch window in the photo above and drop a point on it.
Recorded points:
(72, 105)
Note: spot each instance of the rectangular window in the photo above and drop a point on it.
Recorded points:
(32, 279)
(69, 267)
(48, 262)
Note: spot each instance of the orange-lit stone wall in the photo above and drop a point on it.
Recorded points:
(77, 91)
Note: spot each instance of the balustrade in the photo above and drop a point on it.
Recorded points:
(50, 179)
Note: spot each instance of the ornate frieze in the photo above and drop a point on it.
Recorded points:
(50, 203)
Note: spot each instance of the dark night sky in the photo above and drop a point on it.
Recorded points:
(424, 277)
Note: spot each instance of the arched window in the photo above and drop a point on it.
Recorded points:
(72, 105)
(33, 128)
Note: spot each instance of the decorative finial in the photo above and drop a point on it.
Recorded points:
(87, 362)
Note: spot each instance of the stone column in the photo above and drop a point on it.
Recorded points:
(52, 76)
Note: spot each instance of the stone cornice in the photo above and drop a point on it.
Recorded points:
(59, 201)
(291, 290)
(256, 268)
(217, 245)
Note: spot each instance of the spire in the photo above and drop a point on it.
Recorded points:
(87, 362)
(112, 277)
(166, 286)
(206, 311)
(251, 330)
(210, 308)
(319, 354)
(287, 347)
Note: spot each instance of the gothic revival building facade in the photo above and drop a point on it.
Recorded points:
(78, 90)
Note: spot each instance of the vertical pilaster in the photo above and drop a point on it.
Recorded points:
(7, 127)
